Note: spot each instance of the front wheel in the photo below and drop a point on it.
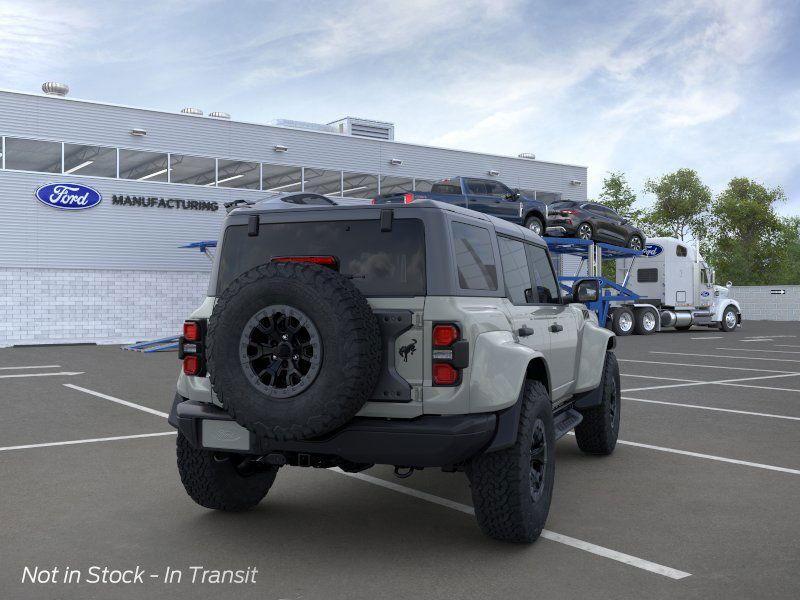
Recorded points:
(535, 225)
(729, 320)
(512, 488)
(220, 480)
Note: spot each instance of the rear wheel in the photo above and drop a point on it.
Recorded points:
(512, 488)
(584, 231)
(729, 319)
(645, 322)
(622, 321)
(535, 225)
(598, 432)
(220, 480)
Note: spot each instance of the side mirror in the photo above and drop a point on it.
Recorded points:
(586, 290)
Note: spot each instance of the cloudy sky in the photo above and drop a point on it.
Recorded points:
(640, 87)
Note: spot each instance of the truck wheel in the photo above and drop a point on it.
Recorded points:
(535, 225)
(512, 488)
(645, 322)
(729, 321)
(622, 321)
(294, 350)
(217, 480)
(597, 433)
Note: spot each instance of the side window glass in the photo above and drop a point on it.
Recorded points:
(515, 271)
(495, 188)
(476, 187)
(545, 286)
(474, 257)
(681, 251)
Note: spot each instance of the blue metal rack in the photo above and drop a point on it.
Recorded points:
(594, 253)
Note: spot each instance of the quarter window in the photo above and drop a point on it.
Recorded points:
(516, 274)
(33, 155)
(546, 289)
(474, 257)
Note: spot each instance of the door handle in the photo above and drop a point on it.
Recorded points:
(555, 327)
(524, 331)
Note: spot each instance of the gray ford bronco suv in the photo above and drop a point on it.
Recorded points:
(423, 335)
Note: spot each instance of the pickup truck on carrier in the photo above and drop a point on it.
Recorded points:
(483, 195)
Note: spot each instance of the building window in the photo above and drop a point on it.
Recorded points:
(280, 178)
(237, 174)
(33, 155)
(320, 181)
(194, 170)
(396, 185)
(143, 166)
(423, 185)
(360, 185)
(474, 257)
(98, 161)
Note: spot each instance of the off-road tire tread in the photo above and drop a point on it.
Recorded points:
(216, 485)
(360, 372)
(595, 433)
(500, 484)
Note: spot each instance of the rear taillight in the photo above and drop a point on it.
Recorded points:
(569, 212)
(325, 261)
(450, 354)
(408, 198)
(191, 347)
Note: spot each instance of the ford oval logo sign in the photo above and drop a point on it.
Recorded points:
(705, 293)
(68, 196)
(652, 250)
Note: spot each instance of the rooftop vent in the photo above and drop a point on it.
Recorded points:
(527, 155)
(51, 88)
(376, 130)
(219, 115)
(303, 125)
(192, 111)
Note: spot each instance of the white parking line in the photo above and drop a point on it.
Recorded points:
(727, 410)
(759, 350)
(718, 382)
(664, 378)
(723, 356)
(88, 441)
(674, 364)
(627, 559)
(787, 346)
(31, 367)
(711, 457)
(18, 375)
(152, 411)
(708, 337)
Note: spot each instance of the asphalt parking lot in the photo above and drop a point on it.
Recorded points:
(698, 501)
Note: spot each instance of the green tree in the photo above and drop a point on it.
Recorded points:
(750, 243)
(618, 196)
(681, 206)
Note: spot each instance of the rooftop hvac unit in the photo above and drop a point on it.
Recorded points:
(376, 130)
(219, 115)
(192, 111)
(51, 88)
(303, 125)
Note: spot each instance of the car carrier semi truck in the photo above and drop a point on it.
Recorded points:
(672, 277)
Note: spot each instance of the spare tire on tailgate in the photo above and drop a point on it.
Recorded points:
(294, 350)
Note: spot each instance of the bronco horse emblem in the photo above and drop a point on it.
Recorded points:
(408, 349)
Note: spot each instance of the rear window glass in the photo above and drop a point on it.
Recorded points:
(383, 263)
(561, 204)
(474, 257)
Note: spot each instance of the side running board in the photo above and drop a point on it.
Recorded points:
(566, 421)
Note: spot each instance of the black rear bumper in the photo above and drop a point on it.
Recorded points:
(426, 441)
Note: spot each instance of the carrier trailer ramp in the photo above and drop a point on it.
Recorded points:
(667, 284)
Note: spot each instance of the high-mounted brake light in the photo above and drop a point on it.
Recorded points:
(327, 261)
(191, 331)
(445, 335)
